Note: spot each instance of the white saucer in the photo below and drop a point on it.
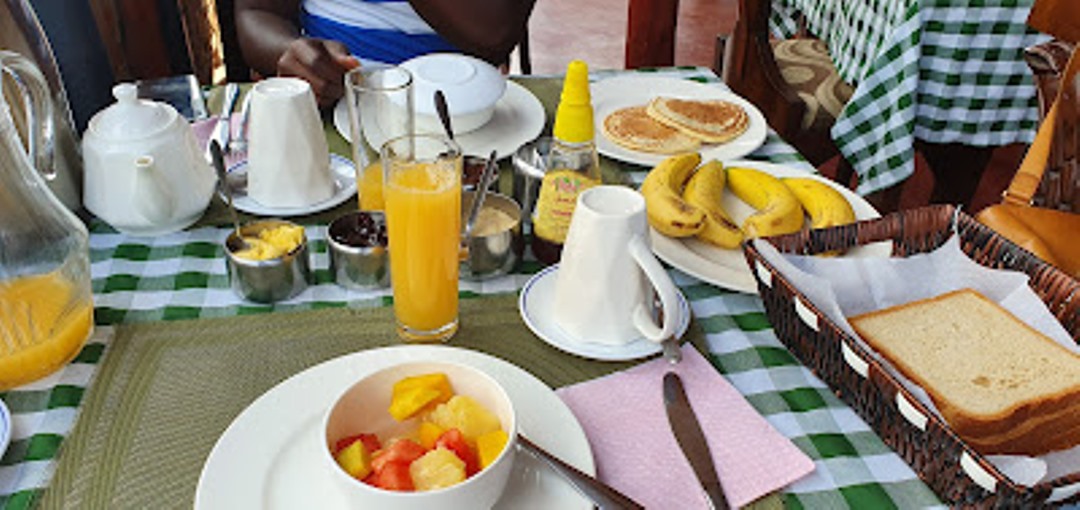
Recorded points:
(341, 170)
(518, 118)
(267, 458)
(535, 304)
(5, 427)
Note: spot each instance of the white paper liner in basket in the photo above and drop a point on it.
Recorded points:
(847, 286)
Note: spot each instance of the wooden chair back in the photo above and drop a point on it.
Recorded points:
(650, 33)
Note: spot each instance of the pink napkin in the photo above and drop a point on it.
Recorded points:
(624, 418)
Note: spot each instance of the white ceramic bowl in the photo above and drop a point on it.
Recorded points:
(362, 408)
(471, 86)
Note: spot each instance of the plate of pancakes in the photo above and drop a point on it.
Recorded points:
(727, 268)
(643, 119)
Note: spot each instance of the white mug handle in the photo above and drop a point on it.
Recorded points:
(665, 288)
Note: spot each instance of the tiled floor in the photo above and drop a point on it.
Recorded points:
(595, 31)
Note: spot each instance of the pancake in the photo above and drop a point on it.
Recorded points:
(634, 129)
(711, 121)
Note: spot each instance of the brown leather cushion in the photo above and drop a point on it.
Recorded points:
(806, 66)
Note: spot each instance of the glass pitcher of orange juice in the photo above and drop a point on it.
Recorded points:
(46, 307)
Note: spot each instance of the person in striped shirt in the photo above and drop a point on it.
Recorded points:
(318, 40)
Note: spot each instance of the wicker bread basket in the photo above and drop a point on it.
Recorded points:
(956, 472)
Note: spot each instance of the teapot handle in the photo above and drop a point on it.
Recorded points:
(33, 89)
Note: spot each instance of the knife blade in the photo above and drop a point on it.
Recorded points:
(691, 439)
(223, 127)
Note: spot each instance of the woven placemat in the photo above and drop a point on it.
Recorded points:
(166, 391)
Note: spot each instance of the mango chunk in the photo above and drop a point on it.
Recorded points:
(490, 445)
(412, 394)
(428, 434)
(355, 459)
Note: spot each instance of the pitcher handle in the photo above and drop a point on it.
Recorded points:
(41, 143)
(665, 289)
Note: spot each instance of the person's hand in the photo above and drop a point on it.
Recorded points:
(321, 63)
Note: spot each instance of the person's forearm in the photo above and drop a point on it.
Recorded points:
(265, 30)
(488, 29)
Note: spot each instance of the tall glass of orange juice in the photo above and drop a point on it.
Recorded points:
(380, 100)
(422, 193)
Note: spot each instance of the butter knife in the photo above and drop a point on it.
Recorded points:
(691, 439)
(223, 127)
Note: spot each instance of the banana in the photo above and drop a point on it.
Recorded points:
(778, 211)
(825, 206)
(667, 211)
(704, 190)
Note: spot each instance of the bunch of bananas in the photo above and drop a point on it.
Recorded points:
(684, 200)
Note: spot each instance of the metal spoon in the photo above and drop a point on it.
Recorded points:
(444, 113)
(223, 185)
(481, 192)
(605, 496)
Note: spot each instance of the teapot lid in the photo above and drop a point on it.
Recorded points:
(131, 117)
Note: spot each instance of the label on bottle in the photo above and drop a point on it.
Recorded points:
(555, 204)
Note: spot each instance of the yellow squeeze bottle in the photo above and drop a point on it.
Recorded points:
(572, 166)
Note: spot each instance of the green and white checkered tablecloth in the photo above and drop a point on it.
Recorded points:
(941, 71)
(182, 276)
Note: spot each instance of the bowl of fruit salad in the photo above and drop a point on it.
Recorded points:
(421, 435)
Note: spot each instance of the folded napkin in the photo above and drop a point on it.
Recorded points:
(624, 418)
(203, 129)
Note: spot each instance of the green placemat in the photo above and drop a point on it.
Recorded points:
(166, 391)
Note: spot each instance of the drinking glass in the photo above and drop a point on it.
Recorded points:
(422, 175)
(380, 100)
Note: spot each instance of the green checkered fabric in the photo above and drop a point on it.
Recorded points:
(941, 71)
(183, 276)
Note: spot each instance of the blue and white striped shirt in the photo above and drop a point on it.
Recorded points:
(387, 31)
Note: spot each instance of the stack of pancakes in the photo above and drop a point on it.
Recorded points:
(669, 125)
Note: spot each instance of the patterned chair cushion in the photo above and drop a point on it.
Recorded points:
(806, 66)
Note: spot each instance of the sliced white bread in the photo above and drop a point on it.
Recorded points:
(632, 128)
(1001, 385)
(712, 121)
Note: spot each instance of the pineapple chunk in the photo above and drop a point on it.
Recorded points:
(437, 469)
(429, 433)
(355, 459)
(412, 394)
(490, 445)
(467, 415)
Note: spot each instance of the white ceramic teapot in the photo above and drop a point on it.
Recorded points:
(145, 174)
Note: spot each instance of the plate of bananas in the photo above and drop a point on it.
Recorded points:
(699, 214)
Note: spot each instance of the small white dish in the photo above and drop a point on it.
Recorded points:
(518, 118)
(341, 169)
(637, 90)
(5, 427)
(535, 305)
(268, 456)
(471, 87)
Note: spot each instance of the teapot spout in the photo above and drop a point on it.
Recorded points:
(154, 198)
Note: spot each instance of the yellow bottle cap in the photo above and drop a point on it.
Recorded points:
(574, 117)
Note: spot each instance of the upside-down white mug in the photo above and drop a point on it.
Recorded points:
(288, 158)
(607, 275)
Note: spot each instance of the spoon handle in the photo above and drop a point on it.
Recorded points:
(223, 182)
(605, 496)
(444, 113)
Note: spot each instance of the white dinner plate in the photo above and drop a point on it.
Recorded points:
(535, 304)
(5, 427)
(637, 90)
(267, 457)
(341, 169)
(518, 118)
(727, 268)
